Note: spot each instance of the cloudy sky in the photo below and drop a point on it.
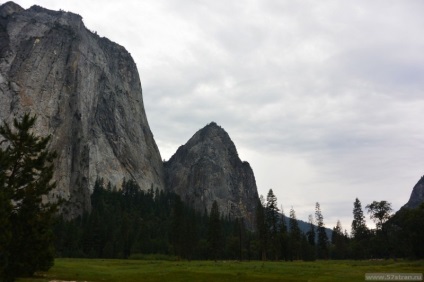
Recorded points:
(324, 99)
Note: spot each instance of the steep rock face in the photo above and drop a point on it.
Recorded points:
(417, 195)
(85, 91)
(208, 168)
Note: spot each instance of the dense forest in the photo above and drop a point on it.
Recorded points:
(130, 222)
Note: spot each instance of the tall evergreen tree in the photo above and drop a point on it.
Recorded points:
(339, 242)
(309, 242)
(215, 231)
(322, 242)
(261, 229)
(311, 232)
(272, 218)
(295, 237)
(177, 225)
(360, 232)
(359, 227)
(5, 212)
(284, 237)
(26, 174)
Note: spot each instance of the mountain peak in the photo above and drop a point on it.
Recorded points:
(216, 133)
(212, 127)
(212, 140)
(9, 8)
(212, 124)
(207, 169)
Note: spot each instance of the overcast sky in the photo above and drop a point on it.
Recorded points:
(324, 99)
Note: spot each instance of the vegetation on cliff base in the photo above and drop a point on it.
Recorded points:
(129, 222)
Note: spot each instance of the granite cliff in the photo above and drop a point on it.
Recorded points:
(208, 168)
(417, 195)
(85, 91)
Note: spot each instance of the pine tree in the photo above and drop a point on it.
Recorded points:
(25, 177)
(322, 242)
(339, 242)
(177, 232)
(311, 232)
(360, 232)
(261, 228)
(359, 227)
(241, 232)
(284, 237)
(5, 212)
(215, 231)
(272, 217)
(295, 237)
(308, 242)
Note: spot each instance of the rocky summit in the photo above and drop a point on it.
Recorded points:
(208, 168)
(417, 195)
(85, 91)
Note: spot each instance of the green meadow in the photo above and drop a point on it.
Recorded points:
(161, 270)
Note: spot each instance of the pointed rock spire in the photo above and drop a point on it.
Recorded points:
(208, 168)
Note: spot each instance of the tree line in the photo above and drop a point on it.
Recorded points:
(128, 222)
(395, 236)
(131, 221)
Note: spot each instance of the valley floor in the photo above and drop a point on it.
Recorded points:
(152, 270)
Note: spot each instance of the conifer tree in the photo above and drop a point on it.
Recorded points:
(339, 242)
(322, 242)
(295, 237)
(284, 237)
(308, 242)
(177, 225)
(359, 227)
(26, 171)
(5, 212)
(311, 232)
(215, 231)
(360, 232)
(272, 218)
(261, 228)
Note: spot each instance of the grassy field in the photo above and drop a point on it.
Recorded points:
(150, 270)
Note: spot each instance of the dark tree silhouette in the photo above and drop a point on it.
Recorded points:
(215, 231)
(380, 212)
(261, 229)
(25, 177)
(272, 218)
(360, 232)
(322, 242)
